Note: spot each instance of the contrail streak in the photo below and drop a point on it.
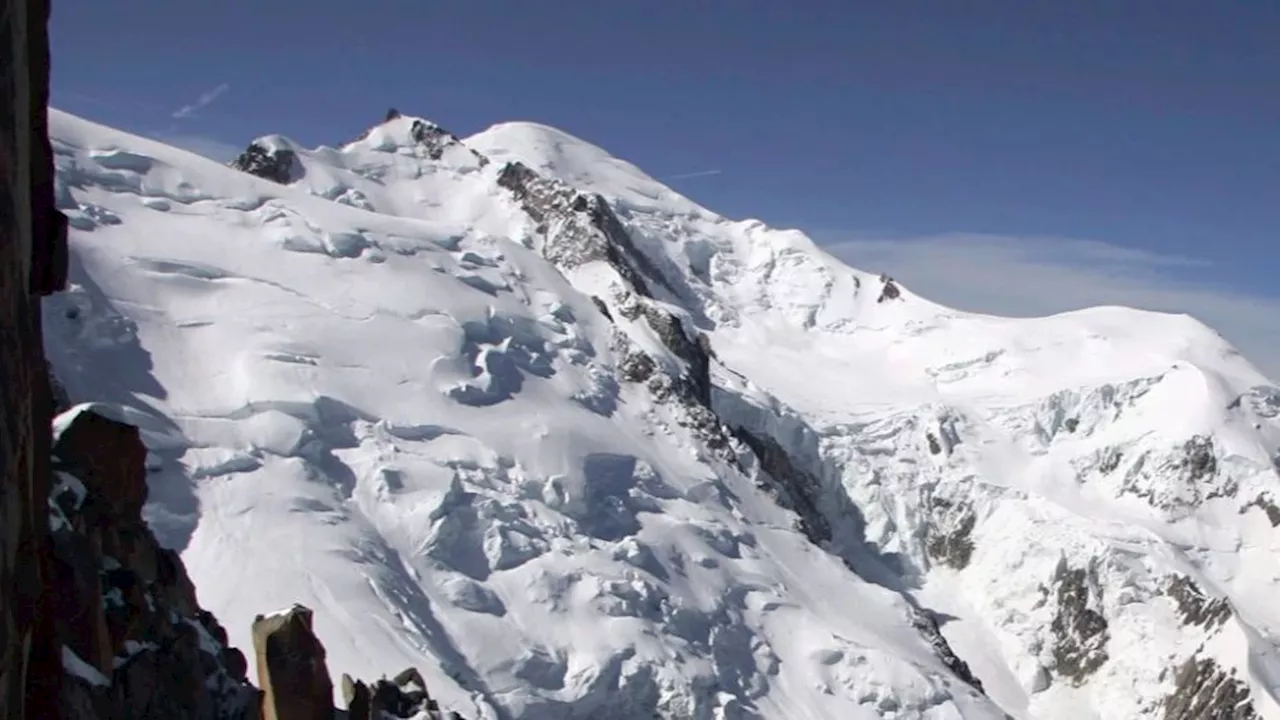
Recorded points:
(699, 173)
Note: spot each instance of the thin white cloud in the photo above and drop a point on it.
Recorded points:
(1027, 277)
(695, 174)
(201, 102)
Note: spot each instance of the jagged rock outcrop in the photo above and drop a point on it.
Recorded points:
(889, 291)
(1204, 691)
(278, 164)
(133, 640)
(577, 228)
(927, 625)
(1266, 505)
(695, 381)
(796, 489)
(291, 667)
(32, 264)
(436, 140)
(1176, 482)
(950, 539)
(1195, 607)
(404, 696)
(1080, 632)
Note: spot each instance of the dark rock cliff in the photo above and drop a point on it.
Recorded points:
(32, 264)
(291, 667)
(277, 165)
(133, 640)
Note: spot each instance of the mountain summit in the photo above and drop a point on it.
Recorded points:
(508, 409)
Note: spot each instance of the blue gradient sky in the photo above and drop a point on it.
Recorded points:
(1040, 132)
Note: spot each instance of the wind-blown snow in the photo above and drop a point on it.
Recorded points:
(367, 391)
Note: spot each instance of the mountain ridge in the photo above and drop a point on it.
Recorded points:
(894, 454)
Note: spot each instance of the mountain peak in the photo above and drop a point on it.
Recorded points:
(578, 447)
(414, 135)
(582, 164)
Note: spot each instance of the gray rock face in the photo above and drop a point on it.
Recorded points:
(587, 230)
(695, 353)
(949, 534)
(1195, 607)
(578, 228)
(1204, 691)
(1080, 632)
(636, 366)
(279, 165)
(1268, 506)
(435, 140)
(889, 290)
(1181, 480)
(927, 626)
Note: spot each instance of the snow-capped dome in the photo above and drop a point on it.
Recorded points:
(577, 447)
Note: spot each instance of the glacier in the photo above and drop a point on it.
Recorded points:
(507, 409)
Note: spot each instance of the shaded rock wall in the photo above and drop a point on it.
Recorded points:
(32, 263)
(291, 667)
(132, 638)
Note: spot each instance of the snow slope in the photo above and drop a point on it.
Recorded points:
(462, 411)
(1056, 445)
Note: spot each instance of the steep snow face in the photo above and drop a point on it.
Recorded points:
(364, 388)
(1092, 496)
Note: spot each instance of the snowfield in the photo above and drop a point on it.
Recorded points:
(577, 447)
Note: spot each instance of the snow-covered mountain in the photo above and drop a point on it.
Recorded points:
(508, 409)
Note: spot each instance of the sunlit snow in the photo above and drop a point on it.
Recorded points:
(368, 392)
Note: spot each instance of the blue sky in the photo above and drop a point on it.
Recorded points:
(1119, 152)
